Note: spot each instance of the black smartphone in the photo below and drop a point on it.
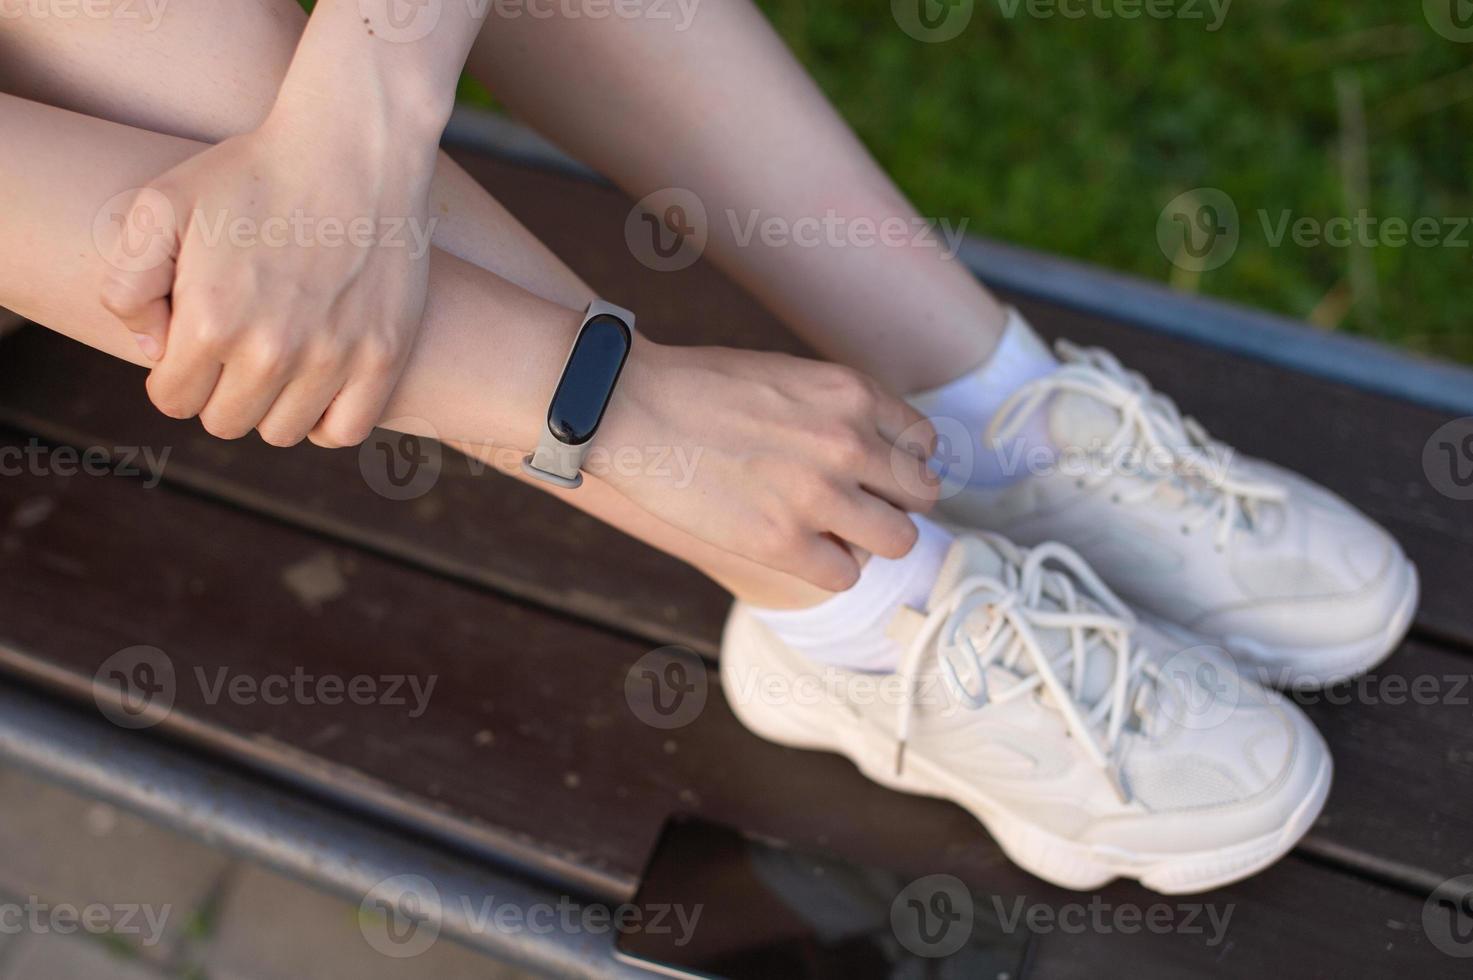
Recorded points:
(734, 907)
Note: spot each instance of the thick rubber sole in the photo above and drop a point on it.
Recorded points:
(1063, 862)
(1310, 668)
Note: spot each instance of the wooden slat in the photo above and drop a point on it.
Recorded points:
(9, 322)
(1364, 447)
(528, 748)
(470, 524)
(498, 534)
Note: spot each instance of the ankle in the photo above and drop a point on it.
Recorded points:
(850, 629)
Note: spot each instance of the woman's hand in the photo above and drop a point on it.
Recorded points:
(286, 282)
(796, 464)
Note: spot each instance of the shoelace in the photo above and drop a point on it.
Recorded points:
(1013, 606)
(1151, 422)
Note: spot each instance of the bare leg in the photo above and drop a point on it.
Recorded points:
(465, 380)
(147, 76)
(723, 110)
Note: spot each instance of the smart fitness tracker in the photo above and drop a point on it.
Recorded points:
(582, 394)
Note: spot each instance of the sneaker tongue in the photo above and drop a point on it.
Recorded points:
(973, 554)
(1081, 422)
(970, 554)
(1076, 420)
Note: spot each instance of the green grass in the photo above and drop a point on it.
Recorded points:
(1071, 136)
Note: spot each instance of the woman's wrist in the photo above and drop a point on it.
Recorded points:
(631, 419)
(378, 78)
(371, 145)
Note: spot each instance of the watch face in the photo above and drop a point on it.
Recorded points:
(588, 380)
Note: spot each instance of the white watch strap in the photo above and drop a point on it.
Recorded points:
(554, 460)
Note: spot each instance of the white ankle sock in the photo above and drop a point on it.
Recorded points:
(849, 628)
(974, 398)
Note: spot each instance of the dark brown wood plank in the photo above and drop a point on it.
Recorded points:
(482, 529)
(1365, 447)
(469, 523)
(529, 749)
(9, 322)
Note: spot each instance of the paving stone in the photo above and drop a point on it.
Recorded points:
(273, 928)
(62, 847)
(54, 957)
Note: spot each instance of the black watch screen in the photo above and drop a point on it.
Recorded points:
(588, 379)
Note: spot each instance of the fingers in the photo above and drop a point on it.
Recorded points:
(300, 409)
(827, 563)
(249, 384)
(360, 406)
(865, 521)
(143, 252)
(184, 380)
(900, 477)
(900, 425)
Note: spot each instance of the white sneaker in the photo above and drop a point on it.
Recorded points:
(1090, 747)
(1290, 579)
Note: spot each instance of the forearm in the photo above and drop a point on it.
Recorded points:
(390, 67)
(487, 357)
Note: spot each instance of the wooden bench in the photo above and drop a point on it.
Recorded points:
(255, 561)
